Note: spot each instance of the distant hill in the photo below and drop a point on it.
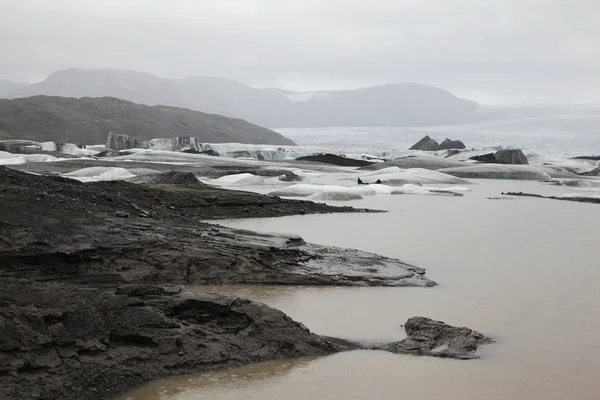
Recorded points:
(402, 104)
(9, 86)
(89, 120)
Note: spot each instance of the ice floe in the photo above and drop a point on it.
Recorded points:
(498, 171)
(93, 174)
(396, 176)
(16, 159)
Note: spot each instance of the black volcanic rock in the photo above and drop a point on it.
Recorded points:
(426, 144)
(448, 144)
(435, 338)
(63, 341)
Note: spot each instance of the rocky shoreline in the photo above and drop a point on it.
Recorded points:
(84, 310)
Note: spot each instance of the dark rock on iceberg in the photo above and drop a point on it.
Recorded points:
(594, 172)
(327, 158)
(488, 158)
(426, 144)
(511, 156)
(502, 156)
(448, 144)
(435, 338)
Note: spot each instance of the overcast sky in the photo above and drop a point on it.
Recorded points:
(492, 51)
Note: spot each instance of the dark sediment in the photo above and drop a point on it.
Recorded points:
(435, 338)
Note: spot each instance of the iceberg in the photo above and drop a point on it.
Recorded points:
(240, 179)
(16, 159)
(415, 161)
(414, 189)
(306, 190)
(335, 196)
(498, 171)
(93, 174)
(398, 177)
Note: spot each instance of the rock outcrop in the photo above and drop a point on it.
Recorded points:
(118, 142)
(84, 310)
(429, 144)
(333, 159)
(62, 341)
(448, 144)
(435, 338)
(426, 144)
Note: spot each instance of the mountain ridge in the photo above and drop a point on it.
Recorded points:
(399, 104)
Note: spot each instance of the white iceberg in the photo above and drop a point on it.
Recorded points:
(305, 190)
(239, 179)
(15, 159)
(335, 196)
(398, 177)
(93, 174)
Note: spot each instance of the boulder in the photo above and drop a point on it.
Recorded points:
(426, 144)
(451, 144)
(438, 339)
(117, 141)
(511, 156)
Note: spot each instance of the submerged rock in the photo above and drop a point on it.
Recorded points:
(448, 144)
(427, 337)
(333, 159)
(426, 144)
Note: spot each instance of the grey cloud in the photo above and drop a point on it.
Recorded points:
(529, 50)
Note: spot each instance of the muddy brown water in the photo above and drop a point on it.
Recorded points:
(524, 271)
